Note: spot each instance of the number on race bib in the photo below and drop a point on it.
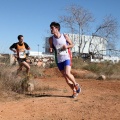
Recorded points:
(60, 51)
(21, 54)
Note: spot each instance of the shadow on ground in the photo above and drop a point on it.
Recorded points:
(46, 95)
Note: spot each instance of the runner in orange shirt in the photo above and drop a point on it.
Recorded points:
(19, 48)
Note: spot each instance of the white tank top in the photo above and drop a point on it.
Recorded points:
(61, 54)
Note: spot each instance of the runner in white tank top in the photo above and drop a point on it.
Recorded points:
(62, 54)
(61, 45)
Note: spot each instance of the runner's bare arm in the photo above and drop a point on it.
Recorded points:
(51, 44)
(70, 45)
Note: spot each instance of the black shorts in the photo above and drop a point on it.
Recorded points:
(20, 60)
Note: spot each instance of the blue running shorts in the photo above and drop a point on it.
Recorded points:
(63, 64)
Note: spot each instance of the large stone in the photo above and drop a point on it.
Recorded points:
(30, 87)
(101, 77)
(27, 86)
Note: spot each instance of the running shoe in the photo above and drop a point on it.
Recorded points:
(75, 94)
(78, 89)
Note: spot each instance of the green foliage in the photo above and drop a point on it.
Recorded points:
(107, 68)
(94, 67)
(78, 63)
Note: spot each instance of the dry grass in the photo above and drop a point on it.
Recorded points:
(9, 80)
(10, 85)
(78, 63)
(110, 70)
(36, 71)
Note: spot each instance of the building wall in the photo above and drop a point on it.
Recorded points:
(35, 53)
(112, 59)
(47, 45)
(97, 44)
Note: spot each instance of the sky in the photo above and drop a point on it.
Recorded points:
(32, 18)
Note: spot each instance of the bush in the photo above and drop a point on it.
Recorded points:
(105, 68)
(78, 63)
(94, 67)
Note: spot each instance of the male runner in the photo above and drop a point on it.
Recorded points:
(20, 48)
(61, 44)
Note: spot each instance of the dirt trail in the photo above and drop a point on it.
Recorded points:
(99, 100)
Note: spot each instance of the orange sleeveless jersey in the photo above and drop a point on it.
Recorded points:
(21, 51)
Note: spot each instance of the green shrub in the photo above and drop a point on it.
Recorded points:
(78, 63)
(93, 67)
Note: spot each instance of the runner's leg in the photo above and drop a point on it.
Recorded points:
(67, 70)
(70, 83)
(27, 66)
(20, 66)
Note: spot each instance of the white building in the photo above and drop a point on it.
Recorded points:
(39, 54)
(35, 54)
(88, 44)
(93, 44)
(112, 59)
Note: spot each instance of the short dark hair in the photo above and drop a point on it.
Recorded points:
(55, 24)
(19, 36)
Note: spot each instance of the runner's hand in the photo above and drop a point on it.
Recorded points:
(64, 47)
(51, 50)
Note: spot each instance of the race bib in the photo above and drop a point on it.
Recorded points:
(61, 51)
(22, 55)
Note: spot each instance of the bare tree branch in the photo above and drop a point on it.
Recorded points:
(108, 28)
(78, 19)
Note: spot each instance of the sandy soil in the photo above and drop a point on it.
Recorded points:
(98, 100)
